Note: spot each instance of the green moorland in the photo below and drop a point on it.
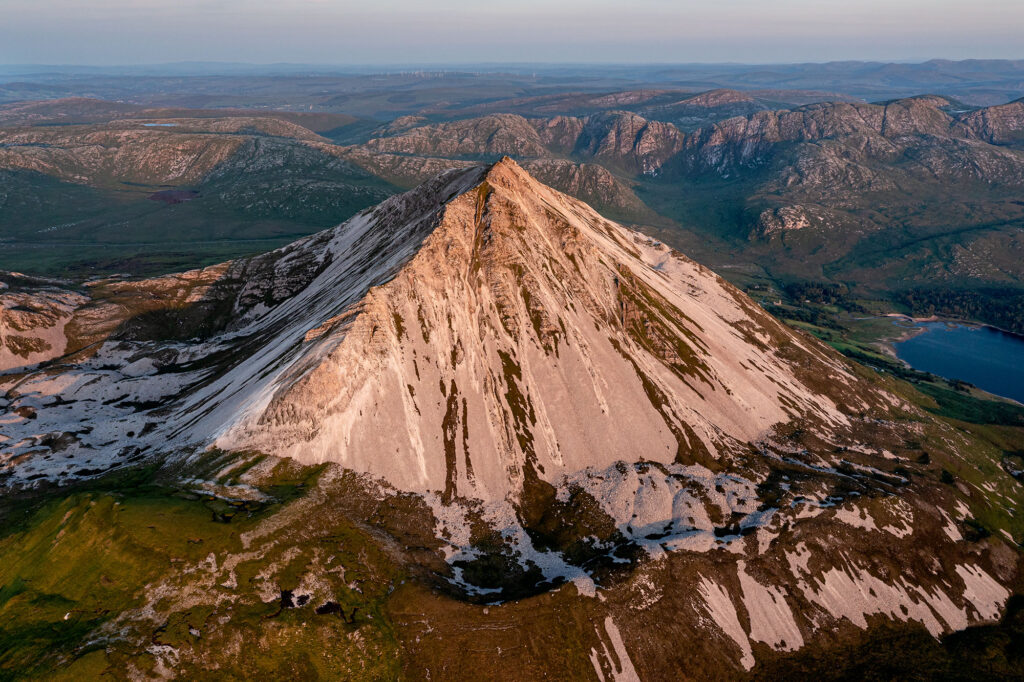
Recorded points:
(98, 580)
(995, 424)
(59, 229)
(951, 249)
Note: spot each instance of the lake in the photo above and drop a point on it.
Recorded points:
(988, 358)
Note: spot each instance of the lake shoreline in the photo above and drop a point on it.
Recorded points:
(984, 356)
(954, 320)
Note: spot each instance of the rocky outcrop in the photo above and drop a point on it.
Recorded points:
(621, 140)
(629, 141)
(874, 130)
(400, 125)
(33, 316)
(113, 156)
(588, 182)
(1002, 124)
(171, 152)
(559, 134)
(784, 219)
(399, 169)
(706, 108)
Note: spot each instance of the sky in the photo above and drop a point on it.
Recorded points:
(105, 32)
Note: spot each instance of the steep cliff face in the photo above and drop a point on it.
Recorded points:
(862, 140)
(629, 140)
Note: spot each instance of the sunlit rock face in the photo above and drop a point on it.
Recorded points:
(530, 336)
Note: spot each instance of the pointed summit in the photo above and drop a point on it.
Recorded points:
(527, 336)
(507, 162)
(508, 175)
(473, 335)
(506, 169)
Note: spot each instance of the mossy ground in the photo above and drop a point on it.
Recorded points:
(73, 566)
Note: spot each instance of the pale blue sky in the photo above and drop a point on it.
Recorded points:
(405, 31)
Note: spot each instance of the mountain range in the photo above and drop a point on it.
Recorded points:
(912, 201)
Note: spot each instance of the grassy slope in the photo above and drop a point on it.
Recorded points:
(995, 426)
(73, 563)
(907, 652)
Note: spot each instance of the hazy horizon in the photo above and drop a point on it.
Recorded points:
(491, 65)
(457, 32)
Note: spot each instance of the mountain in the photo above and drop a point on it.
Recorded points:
(521, 279)
(913, 195)
(512, 431)
(628, 141)
(531, 305)
(912, 204)
(686, 109)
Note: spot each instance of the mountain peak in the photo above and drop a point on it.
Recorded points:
(470, 336)
(528, 337)
(505, 171)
